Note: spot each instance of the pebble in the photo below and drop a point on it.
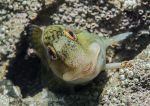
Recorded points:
(2, 12)
(5, 91)
(33, 104)
(122, 77)
(136, 80)
(3, 51)
(2, 29)
(44, 93)
(73, 14)
(130, 74)
(147, 65)
(17, 91)
(140, 11)
(121, 71)
(126, 82)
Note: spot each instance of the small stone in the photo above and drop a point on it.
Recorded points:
(105, 8)
(33, 104)
(97, 18)
(3, 12)
(77, 19)
(140, 11)
(3, 51)
(130, 74)
(2, 29)
(122, 104)
(122, 77)
(5, 92)
(9, 83)
(69, 19)
(61, 10)
(136, 80)
(73, 14)
(2, 36)
(44, 93)
(102, 15)
(121, 71)
(24, 2)
(126, 70)
(126, 82)
(56, 18)
(10, 7)
(147, 66)
(93, 25)
(17, 91)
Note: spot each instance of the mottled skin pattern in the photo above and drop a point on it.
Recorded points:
(75, 56)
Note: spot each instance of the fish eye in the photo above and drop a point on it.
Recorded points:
(52, 53)
(70, 34)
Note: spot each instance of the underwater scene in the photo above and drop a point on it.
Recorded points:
(74, 52)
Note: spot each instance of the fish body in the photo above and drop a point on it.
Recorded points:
(74, 56)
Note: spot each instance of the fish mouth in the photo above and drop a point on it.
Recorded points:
(88, 71)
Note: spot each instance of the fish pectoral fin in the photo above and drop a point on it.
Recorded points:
(69, 76)
(74, 75)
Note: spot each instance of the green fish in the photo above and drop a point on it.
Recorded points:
(73, 55)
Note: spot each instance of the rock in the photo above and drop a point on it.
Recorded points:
(125, 4)
(47, 3)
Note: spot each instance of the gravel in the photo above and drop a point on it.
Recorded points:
(19, 81)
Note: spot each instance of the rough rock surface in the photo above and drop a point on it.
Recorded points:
(19, 81)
